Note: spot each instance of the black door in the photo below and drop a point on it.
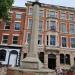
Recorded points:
(51, 61)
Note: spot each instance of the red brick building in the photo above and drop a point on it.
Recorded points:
(56, 38)
(11, 37)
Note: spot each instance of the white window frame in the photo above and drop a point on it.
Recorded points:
(55, 24)
(28, 23)
(51, 10)
(71, 14)
(55, 40)
(70, 42)
(18, 13)
(14, 26)
(61, 29)
(63, 12)
(12, 39)
(2, 39)
(7, 25)
(30, 12)
(69, 28)
(41, 40)
(66, 42)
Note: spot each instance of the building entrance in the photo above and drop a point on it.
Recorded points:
(51, 61)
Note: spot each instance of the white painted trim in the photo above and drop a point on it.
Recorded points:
(18, 21)
(15, 34)
(5, 34)
(66, 42)
(70, 42)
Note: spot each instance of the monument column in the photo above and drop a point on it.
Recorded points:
(32, 61)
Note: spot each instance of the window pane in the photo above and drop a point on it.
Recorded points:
(30, 24)
(7, 25)
(63, 41)
(73, 42)
(18, 16)
(63, 16)
(28, 37)
(15, 40)
(71, 17)
(17, 26)
(47, 39)
(53, 25)
(47, 25)
(39, 39)
(63, 27)
(2, 55)
(5, 39)
(41, 57)
(41, 13)
(30, 11)
(72, 28)
(52, 40)
(52, 14)
(40, 26)
(67, 59)
(62, 59)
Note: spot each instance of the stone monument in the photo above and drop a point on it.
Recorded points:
(31, 65)
(32, 61)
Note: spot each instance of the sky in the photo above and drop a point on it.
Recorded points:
(67, 3)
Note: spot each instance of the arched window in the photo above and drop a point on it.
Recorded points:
(62, 61)
(67, 59)
(2, 55)
(41, 57)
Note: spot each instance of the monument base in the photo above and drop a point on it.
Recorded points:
(31, 63)
(18, 71)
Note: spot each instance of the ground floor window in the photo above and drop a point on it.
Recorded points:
(2, 55)
(24, 55)
(41, 57)
(65, 59)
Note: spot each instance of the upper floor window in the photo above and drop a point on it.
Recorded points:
(39, 39)
(64, 42)
(15, 39)
(71, 17)
(73, 42)
(63, 27)
(72, 28)
(28, 37)
(47, 25)
(41, 13)
(7, 25)
(53, 25)
(63, 15)
(52, 14)
(5, 39)
(18, 16)
(40, 25)
(47, 38)
(30, 11)
(17, 26)
(30, 22)
(52, 40)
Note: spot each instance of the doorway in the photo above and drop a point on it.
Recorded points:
(13, 56)
(51, 61)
